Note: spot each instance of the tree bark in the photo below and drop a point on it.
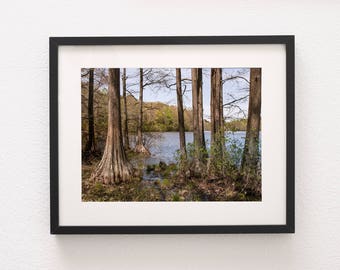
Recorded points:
(114, 167)
(251, 153)
(180, 113)
(126, 128)
(217, 146)
(216, 105)
(198, 124)
(90, 145)
(140, 148)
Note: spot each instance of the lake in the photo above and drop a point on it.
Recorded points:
(163, 145)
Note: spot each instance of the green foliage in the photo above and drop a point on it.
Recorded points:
(166, 183)
(98, 189)
(181, 162)
(165, 120)
(192, 153)
(100, 117)
(251, 166)
(236, 125)
(176, 197)
(234, 149)
(225, 156)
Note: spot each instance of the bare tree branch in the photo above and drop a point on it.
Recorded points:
(235, 100)
(234, 78)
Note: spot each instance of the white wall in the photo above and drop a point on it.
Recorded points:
(25, 242)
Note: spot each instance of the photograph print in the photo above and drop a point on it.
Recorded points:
(171, 134)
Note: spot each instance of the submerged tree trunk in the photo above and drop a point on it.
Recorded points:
(180, 113)
(217, 120)
(114, 167)
(140, 148)
(90, 145)
(198, 124)
(125, 129)
(251, 153)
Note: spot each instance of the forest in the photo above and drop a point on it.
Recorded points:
(171, 134)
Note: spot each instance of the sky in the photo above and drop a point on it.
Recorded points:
(235, 87)
(232, 89)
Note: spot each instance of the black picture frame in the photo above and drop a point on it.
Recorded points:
(287, 40)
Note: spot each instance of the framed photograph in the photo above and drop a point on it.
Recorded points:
(172, 134)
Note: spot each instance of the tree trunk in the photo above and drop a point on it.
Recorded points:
(251, 153)
(140, 148)
(198, 124)
(217, 120)
(114, 167)
(90, 145)
(126, 129)
(216, 105)
(180, 113)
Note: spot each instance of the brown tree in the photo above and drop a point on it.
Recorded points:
(251, 153)
(90, 144)
(198, 124)
(140, 148)
(180, 114)
(114, 167)
(216, 106)
(217, 120)
(125, 129)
